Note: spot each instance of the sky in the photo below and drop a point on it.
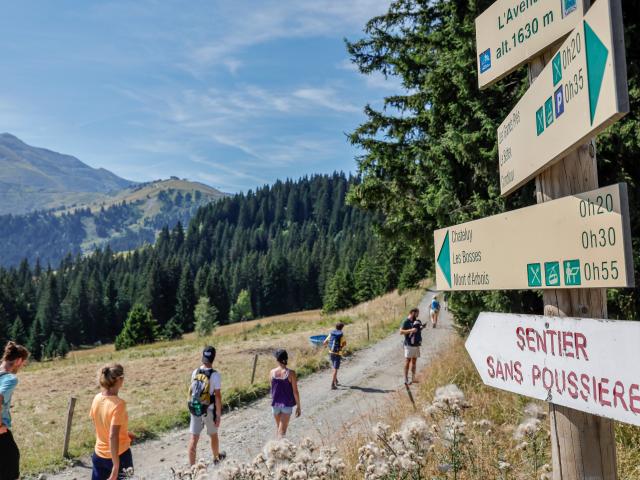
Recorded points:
(234, 94)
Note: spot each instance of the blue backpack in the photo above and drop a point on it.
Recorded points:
(435, 305)
(335, 341)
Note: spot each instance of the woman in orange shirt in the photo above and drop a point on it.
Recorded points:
(112, 455)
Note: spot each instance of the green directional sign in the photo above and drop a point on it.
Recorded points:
(578, 94)
(597, 54)
(444, 259)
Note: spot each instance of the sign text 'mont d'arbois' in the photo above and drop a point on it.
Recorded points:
(578, 241)
(579, 93)
(511, 32)
(574, 362)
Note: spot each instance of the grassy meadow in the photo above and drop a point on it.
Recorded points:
(157, 375)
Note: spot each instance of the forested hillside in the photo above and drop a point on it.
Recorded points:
(291, 246)
(430, 154)
(124, 221)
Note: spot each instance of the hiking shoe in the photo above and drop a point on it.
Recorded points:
(221, 457)
(407, 382)
(334, 386)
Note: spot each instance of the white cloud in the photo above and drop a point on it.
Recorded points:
(325, 97)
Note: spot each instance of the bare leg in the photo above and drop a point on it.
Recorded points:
(335, 376)
(278, 418)
(215, 446)
(414, 361)
(193, 445)
(284, 423)
(407, 362)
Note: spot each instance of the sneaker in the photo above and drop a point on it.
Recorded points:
(221, 457)
(334, 386)
(407, 382)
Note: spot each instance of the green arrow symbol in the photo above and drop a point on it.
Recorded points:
(597, 54)
(444, 259)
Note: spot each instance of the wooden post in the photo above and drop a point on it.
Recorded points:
(67, 430)
(368, 335)
(255, 364)
(583, 445)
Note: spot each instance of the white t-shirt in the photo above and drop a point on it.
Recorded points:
(215, 382)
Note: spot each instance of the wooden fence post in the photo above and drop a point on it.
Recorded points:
(583, 445)
(368, 334)
(67, 430)
(255, 364)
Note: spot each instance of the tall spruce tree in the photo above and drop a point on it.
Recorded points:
(185, 300)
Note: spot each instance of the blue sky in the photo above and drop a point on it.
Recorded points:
(234, 94)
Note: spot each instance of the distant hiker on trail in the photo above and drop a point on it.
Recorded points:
(205, 405)
(336, 343)
(411, 328)
(434, 311)
(13, 359)
(112, 455)
(284, 393)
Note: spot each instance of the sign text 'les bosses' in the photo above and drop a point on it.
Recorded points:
(510, 32)
(578, 241)
(572, 362)
(580, 92)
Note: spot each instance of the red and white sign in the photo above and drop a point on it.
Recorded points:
(582, 363)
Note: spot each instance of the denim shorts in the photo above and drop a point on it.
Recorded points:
(335, 360)
(277, 410)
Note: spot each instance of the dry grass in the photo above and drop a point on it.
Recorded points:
(157, 375)
(503, 409)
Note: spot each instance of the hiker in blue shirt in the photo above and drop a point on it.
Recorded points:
(435, 311)
(15, 356)
(336, 342)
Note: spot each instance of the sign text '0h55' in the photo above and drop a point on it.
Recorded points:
(582, 363)
(579, 93)
(511, 32)
(578, 241)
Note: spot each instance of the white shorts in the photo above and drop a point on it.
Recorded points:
(434, 312)
(411, 352)
(197, 424)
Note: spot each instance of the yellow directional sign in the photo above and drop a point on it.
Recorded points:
(510, 32)
(579, 93)
(579, 241)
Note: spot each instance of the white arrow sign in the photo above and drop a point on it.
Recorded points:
(581, 363)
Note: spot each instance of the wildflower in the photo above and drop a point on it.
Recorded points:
(528, 427)
(534, 410)
(504, 466)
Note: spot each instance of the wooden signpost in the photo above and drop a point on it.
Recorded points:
(577, 241)
(576, 91)
(573, 362)
(510, 32)
(578, 94)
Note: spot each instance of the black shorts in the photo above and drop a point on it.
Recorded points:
(9, 457)
(335, 360)
(102, 466)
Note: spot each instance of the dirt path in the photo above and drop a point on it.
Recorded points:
(366, 378)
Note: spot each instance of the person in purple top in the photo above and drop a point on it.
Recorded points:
(284, 392)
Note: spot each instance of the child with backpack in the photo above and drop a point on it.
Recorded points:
(336, 342)
(284, 393)
(205, 405)
(435, 311)
(14, 358)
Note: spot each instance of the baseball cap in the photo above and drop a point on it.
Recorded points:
(208, 354)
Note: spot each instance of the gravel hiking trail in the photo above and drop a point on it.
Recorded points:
(367, 379)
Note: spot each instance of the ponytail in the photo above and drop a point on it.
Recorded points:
(109, 375)
(13, 352)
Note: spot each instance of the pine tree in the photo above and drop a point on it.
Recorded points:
(63, 347)
(18, 333)
(185, 301)
(339, 292)
(206, 317)
(139, 328)
(51, 347)
(35, 342)
(172, 330)
(241, 310)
